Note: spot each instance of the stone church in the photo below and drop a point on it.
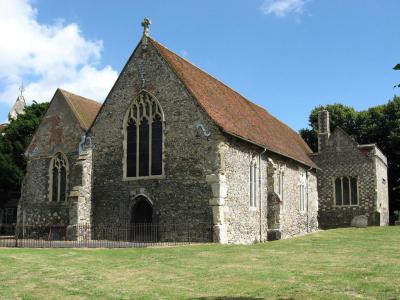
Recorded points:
(170, 144)
(352, 179)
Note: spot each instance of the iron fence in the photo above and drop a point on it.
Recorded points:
(103, 236)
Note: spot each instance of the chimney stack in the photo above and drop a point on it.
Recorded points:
(323, 129)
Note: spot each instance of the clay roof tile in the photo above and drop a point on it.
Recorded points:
(235, 114)
(84, 109)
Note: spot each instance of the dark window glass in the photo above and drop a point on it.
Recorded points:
(144, 138)
(55, 184)
(131, 149)
(63, 183)
(354, 195)
(144, 148)
(338, 191)
(156, 147)
(346, 191)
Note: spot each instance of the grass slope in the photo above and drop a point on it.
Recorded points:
(334, 264)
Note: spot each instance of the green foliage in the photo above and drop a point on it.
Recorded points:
(14, 138)
(379, 125)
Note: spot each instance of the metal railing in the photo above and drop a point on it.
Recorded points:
(103, 236)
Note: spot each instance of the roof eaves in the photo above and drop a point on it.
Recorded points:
(312, 165)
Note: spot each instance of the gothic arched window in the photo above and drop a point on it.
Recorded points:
(144, 137)
(58, 177)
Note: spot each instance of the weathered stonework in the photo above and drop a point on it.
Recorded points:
(80, 197)
(217, 204)
(182, 194)
(59, 132)
(246, 224)
(287, 216)
(210, 179)
(339, 156)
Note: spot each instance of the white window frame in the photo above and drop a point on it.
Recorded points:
(341, 185)
(302, 190)
(143, 96)
(253, 183)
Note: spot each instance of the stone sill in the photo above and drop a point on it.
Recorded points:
(143, 178)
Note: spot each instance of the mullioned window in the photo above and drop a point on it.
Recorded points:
(144, 127)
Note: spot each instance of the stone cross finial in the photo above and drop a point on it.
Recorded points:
(146, 26)
(21, 89)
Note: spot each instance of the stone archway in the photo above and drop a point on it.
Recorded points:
(142, 211)
(143, 228)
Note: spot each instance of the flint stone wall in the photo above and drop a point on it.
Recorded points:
(341, 157)
(246, 224)
(59, 131)
(182, 195)
(291, 220)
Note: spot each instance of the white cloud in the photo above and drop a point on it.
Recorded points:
(47, 56)
(281, 8)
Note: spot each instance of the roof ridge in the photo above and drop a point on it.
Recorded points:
(227, 86)
(77, 112)
(84, 98)
(259, 113)
(208, 74)
(73, 108)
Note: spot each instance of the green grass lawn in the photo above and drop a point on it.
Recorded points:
(334, 264)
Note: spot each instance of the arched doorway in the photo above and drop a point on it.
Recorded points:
(142, 227)
(142, 211)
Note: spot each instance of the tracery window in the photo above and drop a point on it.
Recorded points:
(144, 138)
(58, 177)
(345, 191)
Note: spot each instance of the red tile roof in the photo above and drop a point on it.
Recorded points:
(235, 114)
(84, 109)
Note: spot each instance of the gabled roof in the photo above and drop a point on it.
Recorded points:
(235, 114)
(84, 109)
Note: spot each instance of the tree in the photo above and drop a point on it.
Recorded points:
(397, 67)
(14, 139)
(379, 125)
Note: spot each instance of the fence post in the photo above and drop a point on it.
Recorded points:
(16, 236)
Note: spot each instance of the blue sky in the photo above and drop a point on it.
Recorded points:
(285, 55)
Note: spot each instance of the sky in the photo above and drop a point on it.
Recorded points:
(287, 56)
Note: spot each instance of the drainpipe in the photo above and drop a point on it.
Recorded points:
(261, 189)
